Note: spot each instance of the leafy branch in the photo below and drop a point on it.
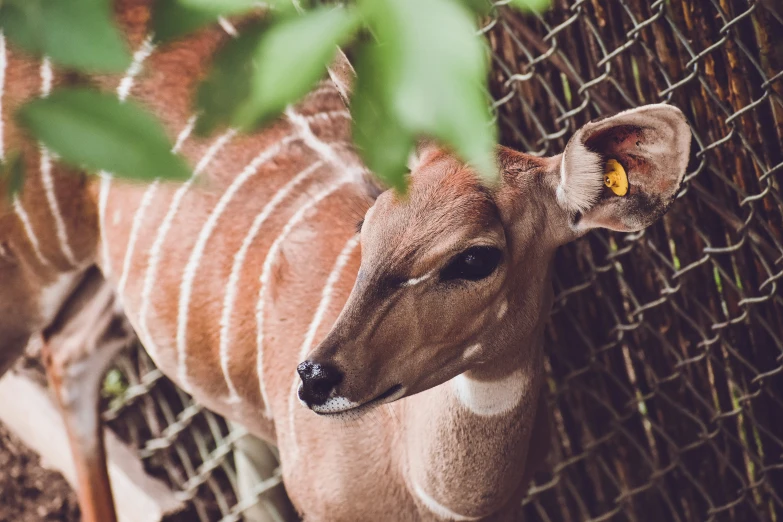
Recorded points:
(421, 72)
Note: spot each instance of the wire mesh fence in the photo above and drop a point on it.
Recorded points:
(665, 347)
(665, 350)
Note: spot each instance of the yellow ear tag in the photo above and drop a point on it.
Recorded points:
(615, 177)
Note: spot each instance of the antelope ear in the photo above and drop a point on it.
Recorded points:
(424, 150)
(650, 143)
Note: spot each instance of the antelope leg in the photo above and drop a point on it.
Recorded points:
(79, 345)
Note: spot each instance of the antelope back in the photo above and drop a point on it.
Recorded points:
(186, 258)
(48, 230)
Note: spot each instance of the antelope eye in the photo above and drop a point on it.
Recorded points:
(473, 264)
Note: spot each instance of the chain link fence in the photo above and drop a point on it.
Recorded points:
(665, 350)
(666, 346)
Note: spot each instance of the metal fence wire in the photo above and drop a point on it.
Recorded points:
(665, 349)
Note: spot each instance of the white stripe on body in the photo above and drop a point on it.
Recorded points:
(156, 251)
(138, 218)
(236, 270)
(197, 253)
(3, 66)
(146, 200)
(351, 173)
(54, 207)
(47, 77)
(330, 115)
(123, 90)
(17, 204)
(324, 88)
(28, 230)
(266, 275)
(184, 134)
(228, 27)
(311, 140)
(139, 57)
(315, 323)
(103, 198)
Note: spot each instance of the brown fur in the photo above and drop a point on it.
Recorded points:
(363, 466)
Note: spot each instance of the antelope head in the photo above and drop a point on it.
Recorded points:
(456, 274)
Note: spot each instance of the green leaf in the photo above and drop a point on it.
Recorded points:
(114, 383)
(78, 34)
(480, 7)
(228, 84)
(434, 69)
(12, 173)
(382, 142)
(95, 130)
(535, 6)
(291, 57)
(172, 19)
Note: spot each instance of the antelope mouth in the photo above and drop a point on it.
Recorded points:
(346, 406)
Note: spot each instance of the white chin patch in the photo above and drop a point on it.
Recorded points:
(335, 405)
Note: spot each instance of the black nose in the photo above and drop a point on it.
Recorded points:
(318, 381)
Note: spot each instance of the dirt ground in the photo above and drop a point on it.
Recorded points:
(28, 492)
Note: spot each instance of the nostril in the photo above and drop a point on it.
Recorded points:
(304, 369)
(318, 381)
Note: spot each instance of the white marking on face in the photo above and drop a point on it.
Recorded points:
(488, 398)
(54, 294)
(437, 508)
(28, 230)
(3, 66)
(417, 280)
(186, 288)
(335, 405)
(266, 276)
(502, 309)
(471, 351)
(239, 262)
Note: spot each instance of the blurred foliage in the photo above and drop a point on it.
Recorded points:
(421, 73)
(114, 388)
(98, 131)
(12, 173)
(78, 34)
